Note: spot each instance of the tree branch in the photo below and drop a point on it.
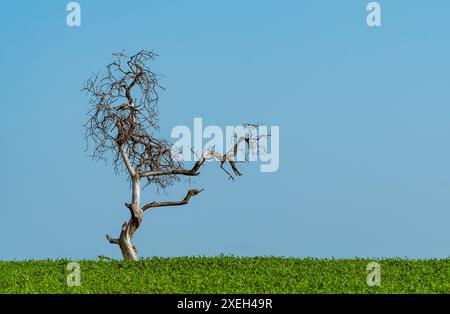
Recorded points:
(130, 87)
(185, 201)
(112, 240)
(209, 154)
(126, 160)
(185, 172)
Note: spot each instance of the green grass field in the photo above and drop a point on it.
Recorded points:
(227, 275)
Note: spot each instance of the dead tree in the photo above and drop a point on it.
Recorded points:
(123, 122)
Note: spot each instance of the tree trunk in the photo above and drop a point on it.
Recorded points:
(129, 251)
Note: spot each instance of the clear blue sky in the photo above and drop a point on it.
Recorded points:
(364, 117)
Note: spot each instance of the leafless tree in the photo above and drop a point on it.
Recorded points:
(123, 122)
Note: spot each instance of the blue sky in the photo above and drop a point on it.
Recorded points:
(363, 115)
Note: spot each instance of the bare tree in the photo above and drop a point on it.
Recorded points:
(123, 121)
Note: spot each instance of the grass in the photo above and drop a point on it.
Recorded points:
(224, 274)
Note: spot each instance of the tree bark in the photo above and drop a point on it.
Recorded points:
(129, 251)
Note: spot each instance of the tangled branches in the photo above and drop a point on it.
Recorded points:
(124, 117)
